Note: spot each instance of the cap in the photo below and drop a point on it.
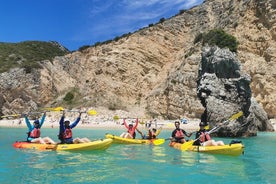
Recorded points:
(36, 121)
(130, 124)
(67, 121)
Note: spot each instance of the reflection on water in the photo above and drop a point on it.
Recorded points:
(192, 158)
(159, 154)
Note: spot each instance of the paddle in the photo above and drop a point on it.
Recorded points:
(185, 146)
(90, 112)
(116, 118)
(19, 114)
(12, 115)
(54, 109)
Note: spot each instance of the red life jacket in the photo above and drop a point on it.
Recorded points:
(131, 131)
(204, 137)
(35, 133)
(179, 134)
(67, 133)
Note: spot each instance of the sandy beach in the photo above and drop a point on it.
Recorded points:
(102, 122)
(106, 122)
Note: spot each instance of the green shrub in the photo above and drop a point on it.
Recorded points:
(28, 54)
(198, 38)
(82, 48)
(221, 39)
(69, 97)
(162, 20)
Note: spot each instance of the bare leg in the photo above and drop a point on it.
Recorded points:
(48, 140)
(78, 140)
(85, 139)
(123, 134)
(220, 143)
(38, 140)
(209, 143)
(128, 136)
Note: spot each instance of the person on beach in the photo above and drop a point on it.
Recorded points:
(65, 131)
(204, 139)
(34, 131)
(130, 134)
(178, 135)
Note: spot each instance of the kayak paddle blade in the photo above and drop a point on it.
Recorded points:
(157, 142)
(185, 146)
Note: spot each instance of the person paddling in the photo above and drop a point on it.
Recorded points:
(178, 135)
(65, 131)
(34, 131)
(204, 139)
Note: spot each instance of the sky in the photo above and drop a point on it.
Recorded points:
(75, 23)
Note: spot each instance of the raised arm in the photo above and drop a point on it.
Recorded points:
(124, 121)
(61, 123)
(136, 123)
(42, 119)
(28, 123)
(76, 121)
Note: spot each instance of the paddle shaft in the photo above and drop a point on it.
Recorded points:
(233, 117)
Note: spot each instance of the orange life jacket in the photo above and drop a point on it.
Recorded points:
(35, 133)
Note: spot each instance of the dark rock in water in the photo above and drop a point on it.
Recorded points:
(223, 90)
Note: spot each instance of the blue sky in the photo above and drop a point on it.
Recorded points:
(74, 23)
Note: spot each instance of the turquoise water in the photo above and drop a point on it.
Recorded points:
(135, 163)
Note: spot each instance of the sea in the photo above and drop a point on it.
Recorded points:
(135, 163)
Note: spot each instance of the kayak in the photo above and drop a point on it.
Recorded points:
(101, 144)
(234, 149)
(121, 140)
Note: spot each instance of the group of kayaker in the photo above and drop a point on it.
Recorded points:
(202, 137)
(65, 131)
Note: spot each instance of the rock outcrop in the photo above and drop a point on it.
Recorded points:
(223, 90)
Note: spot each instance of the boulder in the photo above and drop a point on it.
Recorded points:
(224, 91)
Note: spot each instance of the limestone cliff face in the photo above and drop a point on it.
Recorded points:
(154, 70)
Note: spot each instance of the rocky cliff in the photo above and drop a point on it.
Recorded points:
(154, 70)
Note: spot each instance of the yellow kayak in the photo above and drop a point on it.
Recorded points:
(121, 140)
(235, 149)
(101, 144)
